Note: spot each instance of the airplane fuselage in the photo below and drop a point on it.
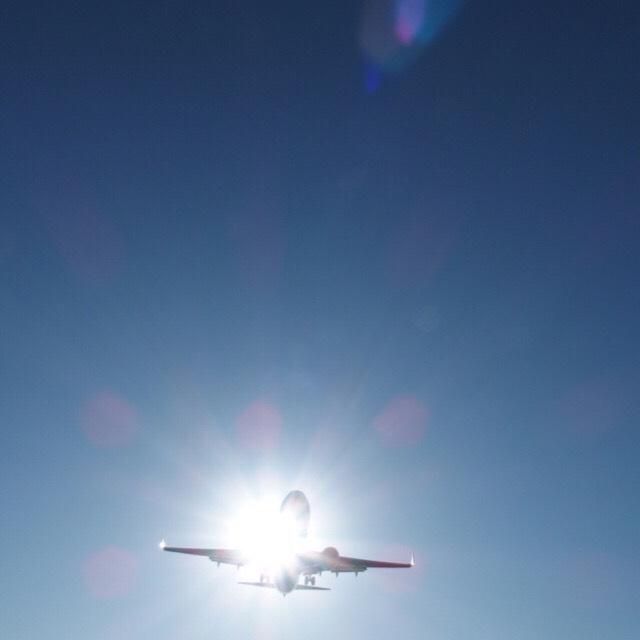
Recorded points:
(293, 561)
(286, 579)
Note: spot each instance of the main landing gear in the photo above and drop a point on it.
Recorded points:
(310, 580)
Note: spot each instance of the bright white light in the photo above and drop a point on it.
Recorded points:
(268, 538)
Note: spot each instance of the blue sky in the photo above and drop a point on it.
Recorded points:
(382, 252)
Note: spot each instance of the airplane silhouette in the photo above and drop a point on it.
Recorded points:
(288, 563)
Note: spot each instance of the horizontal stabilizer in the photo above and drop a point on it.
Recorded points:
(221, 556)
(308, 587)
(268, 585)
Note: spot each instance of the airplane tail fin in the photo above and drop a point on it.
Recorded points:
(296, 507)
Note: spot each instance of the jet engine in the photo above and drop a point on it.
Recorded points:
(330, 559)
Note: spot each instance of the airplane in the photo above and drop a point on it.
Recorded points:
(291, 562)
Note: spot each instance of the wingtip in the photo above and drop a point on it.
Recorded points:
(412, 563)
(162, 544)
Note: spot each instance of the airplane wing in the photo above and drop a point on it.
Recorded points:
(331, 560)
(221, 556)
(358, 564)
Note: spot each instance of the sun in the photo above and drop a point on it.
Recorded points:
(268, 538)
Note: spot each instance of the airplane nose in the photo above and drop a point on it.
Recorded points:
(286, 581)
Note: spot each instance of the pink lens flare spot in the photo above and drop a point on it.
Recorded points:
(393, 32)
(599, 406)
(258, 243)
(419, 249)
(593, 579)
(110, 573)
(410, 17)
(85, 237)
(426, 318)
(402, 423)
(107, 420)
(259, 426)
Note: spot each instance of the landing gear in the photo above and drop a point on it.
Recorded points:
(310, 580)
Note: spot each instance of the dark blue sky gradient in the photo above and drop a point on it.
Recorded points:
(247, 247)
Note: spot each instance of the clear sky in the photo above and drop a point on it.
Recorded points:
(384, 252)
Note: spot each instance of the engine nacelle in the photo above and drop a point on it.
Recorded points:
(330, 559)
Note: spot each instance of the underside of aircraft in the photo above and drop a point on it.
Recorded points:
(285, 570)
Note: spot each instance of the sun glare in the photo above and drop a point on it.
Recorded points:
(268, 538)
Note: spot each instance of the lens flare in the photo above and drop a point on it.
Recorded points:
(402, 422)
(268, 538)
(421, 245)
(259, 426)
(108, 420)
(599, 406)
(84, 234)
(409, 19)
(592, 579)
(257, 240)
(394, 32)
(110, 573)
